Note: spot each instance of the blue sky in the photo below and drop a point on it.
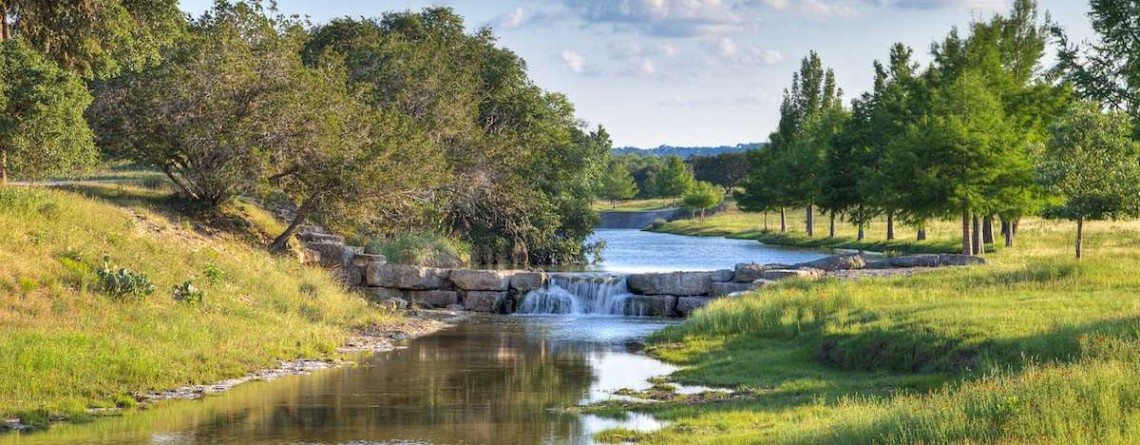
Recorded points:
(695, 72)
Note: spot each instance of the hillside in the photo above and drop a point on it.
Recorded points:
(71, 345)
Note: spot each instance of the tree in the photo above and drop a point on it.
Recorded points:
(727, 170)
(674, 179)
(216, 110)
(93, 38)
(1092, 166)
(1108, 69)
(618, 183)
(42, 128)
(702, 196)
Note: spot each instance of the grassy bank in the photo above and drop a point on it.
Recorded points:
(70, 346)
(634, 205)
(1034, 348)
(942, 236)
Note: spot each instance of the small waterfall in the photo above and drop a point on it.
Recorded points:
(578, 294)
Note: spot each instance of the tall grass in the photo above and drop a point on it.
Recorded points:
(67, 346)
(1033, 348)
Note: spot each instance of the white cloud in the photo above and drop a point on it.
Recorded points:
(668, 18)
(667, 50)
(513, 19)
(779, 5)
(729, 52)
(647, 67)
(576, 62)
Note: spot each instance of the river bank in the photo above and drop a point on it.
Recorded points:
(1035, 347)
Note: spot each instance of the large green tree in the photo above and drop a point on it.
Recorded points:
(93, 38)
(42, 128)
(1108, 68)
(617, 183)
(702, 196)
(1092, 166)
(674, 179)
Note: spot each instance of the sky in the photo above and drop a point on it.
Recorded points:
(695, 72)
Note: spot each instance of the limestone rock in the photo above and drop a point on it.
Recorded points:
(749, 272)
(723, 289)
(686, 305)
(486, 301)
(651, 306)
(480, 279)
(723, 276)
(960, 260)
(434, 298)
(920, 260)
(782, 274)
(837, 262)
(364, 260)
(334, 254)
(877, 262)
(399, 276)
(524, 282)
(309, 256)
(674, 283)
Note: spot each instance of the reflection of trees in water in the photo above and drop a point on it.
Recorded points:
(477, 383)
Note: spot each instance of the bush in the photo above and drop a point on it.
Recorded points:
(188, 293)
(123, 283)
(421, 249)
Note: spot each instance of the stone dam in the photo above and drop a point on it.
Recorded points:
(670, 294)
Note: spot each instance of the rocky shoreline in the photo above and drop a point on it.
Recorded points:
(372, 339)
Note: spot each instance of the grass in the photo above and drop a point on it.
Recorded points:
(1033, 348)
(69, 347)
(634, 205)
(942, 236)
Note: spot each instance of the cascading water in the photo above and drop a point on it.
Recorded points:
(578, 294)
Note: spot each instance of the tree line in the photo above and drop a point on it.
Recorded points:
(983, 133)
(371, 126)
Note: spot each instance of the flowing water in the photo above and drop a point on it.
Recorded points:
(491, 380)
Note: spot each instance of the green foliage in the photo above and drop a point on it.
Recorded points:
(1092, 165)
(123, 283)
(213, 273)
(95, 38)
(423, 249)
(727, 170)
(1108, 69)
(188, 293)
(702, 196)
(42, 128)
(617, 183)
(674, 178)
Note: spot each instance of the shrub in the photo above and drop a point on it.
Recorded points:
(422, 249)
(213, 273)
(123, 283)
(188, 293)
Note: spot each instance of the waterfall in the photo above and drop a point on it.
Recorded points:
(578, 294)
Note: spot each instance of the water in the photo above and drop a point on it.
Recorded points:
(578, 294)
(635, 251)
(494, 380)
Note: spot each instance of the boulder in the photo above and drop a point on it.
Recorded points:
(723, 276)
(352, 275)
(387, 298)
(434, 298)
(309, 256)
(782, 274)
(920, 260)
(335, 254)
(524, 282)
(749, 272)
(651, 306)
(877, 262)
(455, 308)
(960, 260)
(363, 260)
(723, 289)
(837, 262)
(686, 305)
(317, 237)
(393, 304)
(674, 283)
(480, 279)
(399, 276)
(486, 301)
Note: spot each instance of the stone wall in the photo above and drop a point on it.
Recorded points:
(673, 294)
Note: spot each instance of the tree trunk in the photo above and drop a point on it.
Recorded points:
(702, 216)
(3, 162)
(765, 221)
(1005, 233)
(891, 226)
(783, 221)
(967, 243)
(810, 221)
(861, 234)
(282, 241)
(921, 234)
(5, 32)
(988, 230)
(1013, 231)
(1080, 236)
(979, 246)
(831, 226)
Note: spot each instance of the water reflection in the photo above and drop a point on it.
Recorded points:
(491, 381)
(635, 251)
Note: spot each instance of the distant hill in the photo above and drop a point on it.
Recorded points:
(687, 152)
